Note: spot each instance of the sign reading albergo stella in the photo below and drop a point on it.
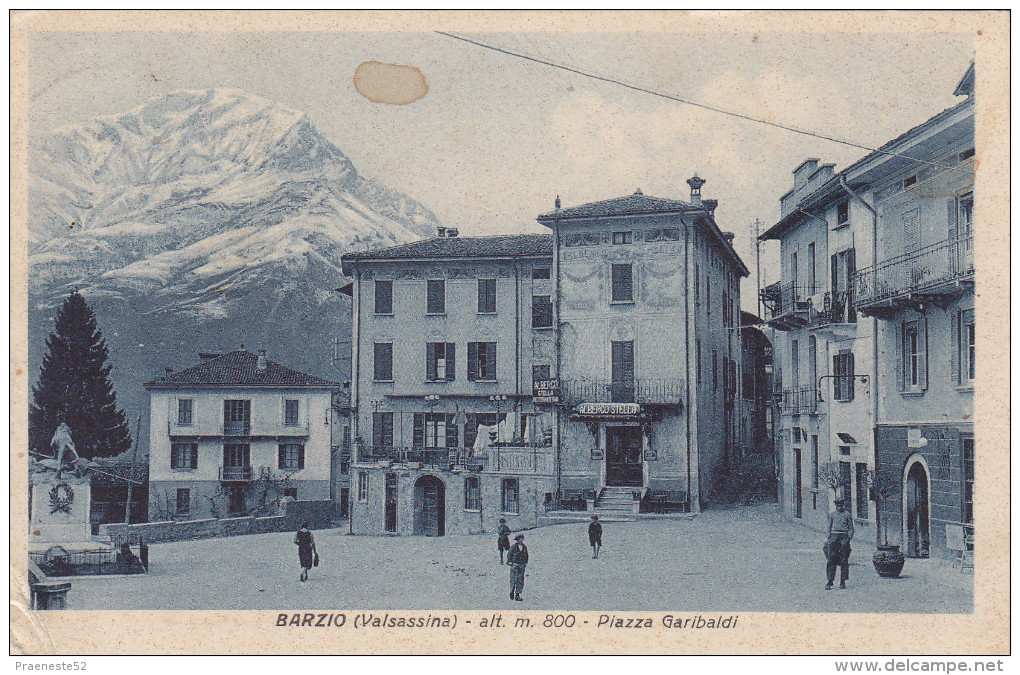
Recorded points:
(546, 391)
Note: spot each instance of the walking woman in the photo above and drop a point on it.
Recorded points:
(503, 541)
(306, 550)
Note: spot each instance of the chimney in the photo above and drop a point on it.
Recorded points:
(440, 231)
(261, 363)
(452, 232)
(710, 205)
(169, 370)
(695, 184)
(728, 236)
(205, 356)
(557, 202)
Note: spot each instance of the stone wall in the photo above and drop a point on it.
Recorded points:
(319, 514)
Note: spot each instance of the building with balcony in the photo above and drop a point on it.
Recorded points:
(647, 305)
(238, 432)
(504, 377)
(450, 336)
(884, 334)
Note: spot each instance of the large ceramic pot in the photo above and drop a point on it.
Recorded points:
(888, 561)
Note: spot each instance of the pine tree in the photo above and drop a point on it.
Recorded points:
(74, 387)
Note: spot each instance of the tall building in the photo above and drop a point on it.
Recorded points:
(238, 432)
(878, 360)
(449, 336)
(648, 347)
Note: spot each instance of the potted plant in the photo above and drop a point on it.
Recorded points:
(888, 559)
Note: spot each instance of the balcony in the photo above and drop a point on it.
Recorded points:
(242, 428)
(502, 458)
(239, 429)
(664, 392)
(792, 305)
(937, 273)
(800, 401)
(236, 474)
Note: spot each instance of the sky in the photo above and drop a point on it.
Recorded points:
(497, 138)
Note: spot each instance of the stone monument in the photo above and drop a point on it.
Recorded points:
(60, 498)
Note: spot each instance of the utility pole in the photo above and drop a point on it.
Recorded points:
(131, 481)
(757, 266)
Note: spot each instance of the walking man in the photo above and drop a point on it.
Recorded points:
(503, 541)
(841, 531)
(595, 536)
(518, 560)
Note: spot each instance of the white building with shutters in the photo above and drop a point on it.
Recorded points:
(593, 368)
(876, 303)
(236, 433)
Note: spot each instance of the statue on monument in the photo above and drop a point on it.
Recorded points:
(65, 459)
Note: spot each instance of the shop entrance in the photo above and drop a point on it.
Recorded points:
(623, 456)
(917, 511)
(429, 507)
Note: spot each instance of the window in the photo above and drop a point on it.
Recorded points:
(843, 213)
(844, 449)
(236, 417)
(715, 370)
(622, 371)
(383, 362)
(486, 296)
(183, 501)
(435, 296)
(434, 430)
(811, 290)
(909, 181)
(482, 361)
(472, 494)
(862, 491)
(965, 342)
(540, 373)
(185, 407)
(966, 154)
(842, 269)
(726, 309)
(471, 423)
(698, 342)
(384, 297)
(237, 455)
(623, 237)
(511, 496)
(382, 429)
(794, 364)
(540, 273)
(968, 479)
(440, 361)
(292, 456)
(623, 283)
(290, 492)
(911, 360)
(845, 480)
(184, 455)
(814, 462)
(541, 311)
(290, 412)
(843, 371)
(362, 486)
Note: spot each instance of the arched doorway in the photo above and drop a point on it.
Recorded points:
(429, 507)
(916, 510)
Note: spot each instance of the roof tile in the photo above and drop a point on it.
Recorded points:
(637, 203)
(508, 246)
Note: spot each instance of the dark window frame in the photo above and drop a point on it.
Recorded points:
(291, 413)
(472, 494)
(486, 296)
(380, 372)
(185, 412)
(383, 300)
(541, 311)
(435, 302)
(291, 456)
(183, 456)
(622, 287)
(510, 496)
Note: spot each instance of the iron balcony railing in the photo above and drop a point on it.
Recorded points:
(517, 458)
(652, 392)
(782, 298)
(236, 473)
(925, 270)
(237, 428)
(800, 401)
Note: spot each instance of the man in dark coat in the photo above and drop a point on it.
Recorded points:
(595, 536)
(503, 540)
(841, 531)
(518, 560)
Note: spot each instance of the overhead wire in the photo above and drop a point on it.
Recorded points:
(690, 102)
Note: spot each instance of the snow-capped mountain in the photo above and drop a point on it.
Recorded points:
(199, 221)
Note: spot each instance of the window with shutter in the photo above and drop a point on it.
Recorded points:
(382, 429)
(436, 296)
(470, 429)
(418, 438)
(623, 372)
(623, 283)
(430, 362)
(184, 411)
(452, 437)
(384, 297)
(383, 362)
(439, 361)
(486, 296)
(451, 362)
(541, 311)
(472, 366)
